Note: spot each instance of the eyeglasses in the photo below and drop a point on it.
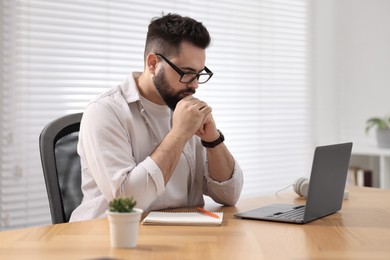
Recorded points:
(188, 77)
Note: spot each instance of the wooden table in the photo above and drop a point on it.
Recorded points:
(361, 230)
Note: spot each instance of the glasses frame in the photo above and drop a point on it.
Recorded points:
(182, 73)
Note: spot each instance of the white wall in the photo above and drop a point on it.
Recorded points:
(352, 67)
(325, 98)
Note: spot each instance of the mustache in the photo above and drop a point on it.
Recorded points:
(187, 90)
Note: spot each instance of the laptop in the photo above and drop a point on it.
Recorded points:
(326, 190)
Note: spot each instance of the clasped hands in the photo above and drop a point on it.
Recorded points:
(193, 116)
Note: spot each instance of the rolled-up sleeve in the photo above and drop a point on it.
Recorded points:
(227, 192)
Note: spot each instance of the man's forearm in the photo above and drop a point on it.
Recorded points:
(167, 154)
(220, 163)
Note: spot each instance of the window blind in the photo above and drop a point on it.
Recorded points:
(57, 55)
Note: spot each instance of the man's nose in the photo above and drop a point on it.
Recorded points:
(193, 84)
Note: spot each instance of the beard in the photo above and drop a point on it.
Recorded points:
(170, 97)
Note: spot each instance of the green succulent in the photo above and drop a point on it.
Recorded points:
(122, 204)
(379, 122)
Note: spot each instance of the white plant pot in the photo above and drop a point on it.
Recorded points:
(383, 138)
(124, 228)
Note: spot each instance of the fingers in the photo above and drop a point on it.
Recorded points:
(194, 114)
(198, 104)
(207, 121)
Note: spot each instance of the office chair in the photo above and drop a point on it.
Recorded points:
(61, 166)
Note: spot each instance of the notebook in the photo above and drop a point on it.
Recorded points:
(326, 189)
(182, 219)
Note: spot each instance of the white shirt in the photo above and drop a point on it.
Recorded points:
(118, 132)
(176, 190)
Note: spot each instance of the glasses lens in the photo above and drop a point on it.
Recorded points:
(203, 78)
(189, 77)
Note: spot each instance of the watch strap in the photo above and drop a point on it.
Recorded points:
(214, 143)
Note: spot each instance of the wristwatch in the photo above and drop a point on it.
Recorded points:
(214, 143)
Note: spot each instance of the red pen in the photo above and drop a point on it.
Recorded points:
(211, 214)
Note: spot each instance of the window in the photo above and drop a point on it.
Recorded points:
(57, 55)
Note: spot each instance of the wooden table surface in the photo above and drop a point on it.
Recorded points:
(361, 230)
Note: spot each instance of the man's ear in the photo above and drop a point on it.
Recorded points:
(151, 62)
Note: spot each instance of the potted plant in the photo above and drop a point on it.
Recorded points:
(382, 125)
(124, 221)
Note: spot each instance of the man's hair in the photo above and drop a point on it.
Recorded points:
(166, 33)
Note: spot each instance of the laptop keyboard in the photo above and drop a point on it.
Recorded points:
(296, 213)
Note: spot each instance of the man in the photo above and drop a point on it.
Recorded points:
(150, 138)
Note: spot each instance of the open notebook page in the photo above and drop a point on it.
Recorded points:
(182, 219)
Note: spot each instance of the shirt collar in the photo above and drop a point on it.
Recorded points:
(129, 88)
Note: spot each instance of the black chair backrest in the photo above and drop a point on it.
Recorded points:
(61, 166)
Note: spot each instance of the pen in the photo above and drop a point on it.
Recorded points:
(211, 214)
